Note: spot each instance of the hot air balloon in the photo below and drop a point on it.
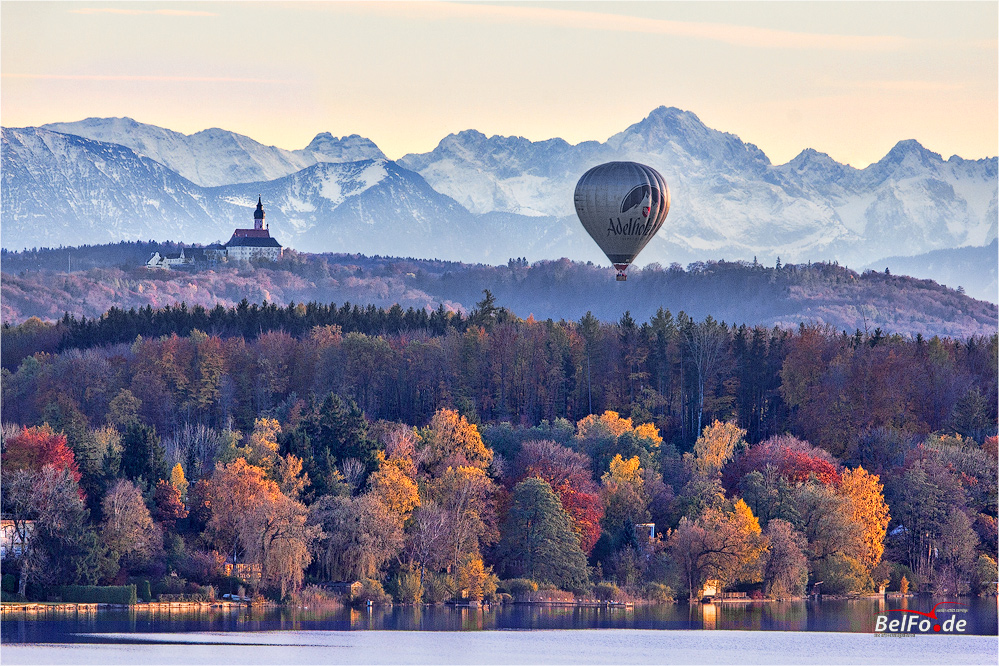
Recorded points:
(622, 205)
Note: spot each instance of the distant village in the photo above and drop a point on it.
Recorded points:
(245, 244)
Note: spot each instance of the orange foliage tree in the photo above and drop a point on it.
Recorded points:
(233, 490)
(869, 510)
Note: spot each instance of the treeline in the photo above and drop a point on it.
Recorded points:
(200, 366)
(740, 292)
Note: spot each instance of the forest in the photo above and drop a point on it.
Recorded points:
(89, 281)
(440, 456)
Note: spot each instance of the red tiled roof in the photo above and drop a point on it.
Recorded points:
(251, 233)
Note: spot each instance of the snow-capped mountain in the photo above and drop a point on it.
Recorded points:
(61, 189)
(370, 206)
(728, 199)
(215, 157)
(482, 198)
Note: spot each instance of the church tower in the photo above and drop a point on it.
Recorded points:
(258, 215)
(253, 243)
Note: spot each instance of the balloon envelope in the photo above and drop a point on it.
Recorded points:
(622, 205)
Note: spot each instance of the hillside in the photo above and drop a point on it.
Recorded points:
(37, 284)
(973, 269)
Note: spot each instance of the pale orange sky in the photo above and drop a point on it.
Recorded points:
(849, 79)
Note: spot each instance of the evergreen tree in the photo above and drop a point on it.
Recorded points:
(538, 540)
(143, 454)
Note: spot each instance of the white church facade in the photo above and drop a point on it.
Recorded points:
(245, 244)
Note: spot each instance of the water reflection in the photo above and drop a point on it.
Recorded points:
(709, 616)
(856, 615)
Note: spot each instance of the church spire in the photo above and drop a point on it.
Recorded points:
(258, 215)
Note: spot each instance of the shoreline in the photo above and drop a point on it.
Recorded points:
(48, 607)
(45, 607)
(70, 606)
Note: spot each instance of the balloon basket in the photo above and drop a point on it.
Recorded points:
(621, 277)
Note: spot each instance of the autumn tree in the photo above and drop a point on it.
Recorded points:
(34, 448)
(233, 490)
(568, 473)
(394, 486)
(466, 494)
(123, 410)
(869, 511)
(450, 441)
(128, 528)
(474, 578)
(360, 534)
(785, 572)
(718, 443)
(292, 480)
(720, 544)
(168, 507)
(826, 518)
(789, 457)
(597, 433)
(625, 501)
(178, 480)
(275, 534)
(261, 447)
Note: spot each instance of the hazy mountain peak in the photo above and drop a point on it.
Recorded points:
(674, 133)
(910, 147)
(816, 162)
(326, 147)
(906, 159)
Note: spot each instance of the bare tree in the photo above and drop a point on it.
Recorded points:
(785, 573)
(353, 472)
(706, 343)
(128, 528)
(360, 534)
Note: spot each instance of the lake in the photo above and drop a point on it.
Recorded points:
(827, 631)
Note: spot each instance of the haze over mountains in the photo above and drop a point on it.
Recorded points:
(478, 198)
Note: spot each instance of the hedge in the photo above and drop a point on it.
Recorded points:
(97, 594)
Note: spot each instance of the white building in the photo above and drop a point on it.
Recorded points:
(255, 243)
(245, 244)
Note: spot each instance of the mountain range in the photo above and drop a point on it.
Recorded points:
(478, 198)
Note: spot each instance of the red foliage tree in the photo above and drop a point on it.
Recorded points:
(168, 507)
(794, 459)
(34, 448)
(568, 473)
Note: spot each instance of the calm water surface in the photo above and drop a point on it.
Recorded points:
(857, 616)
